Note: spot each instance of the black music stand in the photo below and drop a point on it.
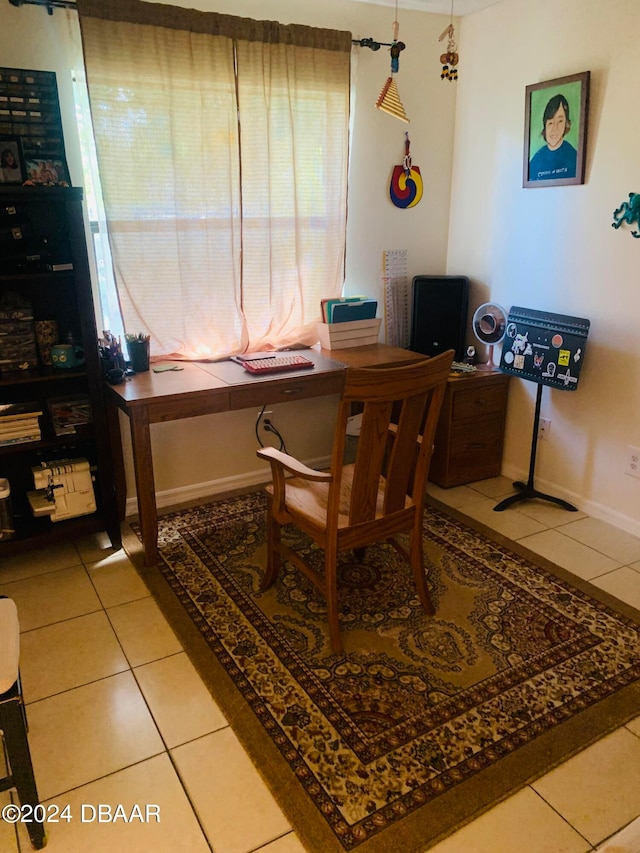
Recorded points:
(547, 349)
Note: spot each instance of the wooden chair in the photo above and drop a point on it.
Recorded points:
(382, 494)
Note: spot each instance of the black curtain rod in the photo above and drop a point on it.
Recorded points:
(396, 46)
(50, 5)
(372, 43)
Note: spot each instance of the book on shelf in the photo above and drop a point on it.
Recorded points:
(19, 423)
(17, 411)
(21, 439)
(15, 428)
(67, 413)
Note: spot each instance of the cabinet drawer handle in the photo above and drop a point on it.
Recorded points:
(291, 390)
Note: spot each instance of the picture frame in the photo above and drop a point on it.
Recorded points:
(555, 131)
(47, 169)
(11, 160)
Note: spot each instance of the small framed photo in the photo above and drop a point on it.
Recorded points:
(555, 131)
(51, 171)
(11, 163)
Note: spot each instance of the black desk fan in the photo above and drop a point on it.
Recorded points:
(489, 325)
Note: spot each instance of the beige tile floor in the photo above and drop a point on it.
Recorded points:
(118, 715)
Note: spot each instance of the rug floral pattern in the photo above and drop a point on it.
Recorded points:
(416, 705)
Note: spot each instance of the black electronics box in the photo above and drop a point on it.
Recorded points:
(439, 314)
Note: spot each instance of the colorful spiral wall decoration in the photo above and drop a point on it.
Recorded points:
(405, 189)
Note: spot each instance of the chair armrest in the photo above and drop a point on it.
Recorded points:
(291, 464)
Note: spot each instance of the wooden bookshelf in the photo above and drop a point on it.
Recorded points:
(52, 234)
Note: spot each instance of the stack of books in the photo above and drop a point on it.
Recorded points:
(19, 423)
(17, 335)
(67, 413)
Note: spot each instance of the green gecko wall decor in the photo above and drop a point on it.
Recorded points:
(629, 212)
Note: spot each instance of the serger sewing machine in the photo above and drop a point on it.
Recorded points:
(64, 489)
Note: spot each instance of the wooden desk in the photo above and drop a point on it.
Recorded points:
(203, 388)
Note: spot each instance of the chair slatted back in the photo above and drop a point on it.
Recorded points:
(410, 398)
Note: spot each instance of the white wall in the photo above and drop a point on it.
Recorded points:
(203, 455)
(554, 248)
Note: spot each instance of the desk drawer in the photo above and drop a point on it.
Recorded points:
(286, 389)
(471, 451)
(188, 406)
(478, 401)
(484, 438)
(467, 468)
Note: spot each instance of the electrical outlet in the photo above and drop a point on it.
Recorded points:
(544, 428)
(633, 462)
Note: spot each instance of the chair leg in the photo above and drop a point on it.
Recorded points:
(331, 593)
(359, 554)
(22, 705)
(12, 722)
(416, 555)
(273, 554)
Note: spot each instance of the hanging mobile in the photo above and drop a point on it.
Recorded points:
(405, 188)
(389, 99)
(449, 59)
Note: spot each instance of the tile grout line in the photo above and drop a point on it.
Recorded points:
(166, 750)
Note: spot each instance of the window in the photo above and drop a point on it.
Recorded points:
(223, 160)
(110, 316)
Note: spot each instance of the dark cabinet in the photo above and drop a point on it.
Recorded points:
(44, 276)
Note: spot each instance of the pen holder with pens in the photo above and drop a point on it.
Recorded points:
(111, 358)
(138, 349)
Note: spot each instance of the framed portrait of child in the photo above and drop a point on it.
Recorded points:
(555, 131)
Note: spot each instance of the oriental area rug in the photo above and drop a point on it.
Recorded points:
(423, 722)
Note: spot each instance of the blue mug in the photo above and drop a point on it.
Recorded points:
(67, 356)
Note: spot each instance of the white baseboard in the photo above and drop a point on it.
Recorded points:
(592, 508)
(251, 479)
(202, 491)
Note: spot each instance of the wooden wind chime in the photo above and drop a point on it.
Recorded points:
(389, 99)
(449, 59)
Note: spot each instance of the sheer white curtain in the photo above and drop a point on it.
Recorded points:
(222, 146)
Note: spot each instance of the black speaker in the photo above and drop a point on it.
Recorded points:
(439, 314)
